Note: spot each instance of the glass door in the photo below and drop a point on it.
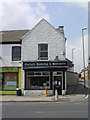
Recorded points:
(57, 77)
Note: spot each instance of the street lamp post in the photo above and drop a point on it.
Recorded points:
(72, 53)
(83, 53)
(72, 57)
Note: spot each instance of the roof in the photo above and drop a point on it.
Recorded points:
(68, 60)
(38, 24)
(69, 63)
(15, 36)
(12, 36)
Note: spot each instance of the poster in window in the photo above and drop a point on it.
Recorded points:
(10, 81)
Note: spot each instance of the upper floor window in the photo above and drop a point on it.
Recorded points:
(43, 51)
(16, 53)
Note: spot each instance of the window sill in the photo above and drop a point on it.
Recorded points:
(16, 61)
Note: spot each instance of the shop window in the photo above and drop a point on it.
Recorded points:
(10, 81)
(38, 73)
(45, 73)
(16, 53)
(43, 51)
(39, 83)
(30, 74)
(38, 80)
(1, 81)
(59, 73)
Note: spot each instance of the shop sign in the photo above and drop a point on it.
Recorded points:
(44, 64)
(9, 69)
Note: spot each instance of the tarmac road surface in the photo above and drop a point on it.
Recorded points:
(45, 109)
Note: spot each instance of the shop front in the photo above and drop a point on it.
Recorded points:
(40, 74)
(10, 79)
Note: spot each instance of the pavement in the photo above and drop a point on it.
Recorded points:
(13, 98)
(74, 93)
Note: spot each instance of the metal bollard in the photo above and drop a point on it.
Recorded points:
(56, 94)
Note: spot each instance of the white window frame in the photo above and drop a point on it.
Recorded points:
(11, 53)
(42, 51)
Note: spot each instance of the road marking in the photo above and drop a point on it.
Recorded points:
(39, 112)
(46, 112)
(60, 102)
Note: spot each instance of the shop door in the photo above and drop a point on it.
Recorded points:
(58, 84)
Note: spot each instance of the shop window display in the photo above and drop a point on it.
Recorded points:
(39, 83)
(10, 81)
(38, 80)
(1, 78)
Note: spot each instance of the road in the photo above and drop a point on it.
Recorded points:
(45, 109)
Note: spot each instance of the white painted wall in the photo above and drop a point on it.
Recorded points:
(88, 49)
(6, 55)
(43, 33)
(0, 55)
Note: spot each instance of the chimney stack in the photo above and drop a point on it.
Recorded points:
(61, 29)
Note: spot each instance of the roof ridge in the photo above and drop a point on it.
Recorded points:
(14, 30)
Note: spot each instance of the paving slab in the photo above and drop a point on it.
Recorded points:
(13, 98)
